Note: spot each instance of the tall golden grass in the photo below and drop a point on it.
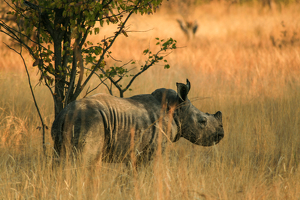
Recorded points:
(234, 66)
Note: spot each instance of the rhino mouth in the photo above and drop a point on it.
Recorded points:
(218, 137)
(212, 140)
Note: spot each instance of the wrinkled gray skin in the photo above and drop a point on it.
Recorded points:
(100, 126)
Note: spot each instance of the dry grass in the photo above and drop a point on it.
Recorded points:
(232, 61)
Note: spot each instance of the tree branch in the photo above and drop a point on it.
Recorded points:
(77, 92)
(143, 70)
(12, 33)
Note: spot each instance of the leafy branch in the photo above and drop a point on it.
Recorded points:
(62, 51)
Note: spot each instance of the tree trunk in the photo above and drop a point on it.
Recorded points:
(60, 77)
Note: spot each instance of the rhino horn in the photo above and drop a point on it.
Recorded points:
(183, 89)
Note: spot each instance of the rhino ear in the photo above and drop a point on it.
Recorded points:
(218, 115)
(183, 89)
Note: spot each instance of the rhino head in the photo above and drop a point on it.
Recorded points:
(198, 127)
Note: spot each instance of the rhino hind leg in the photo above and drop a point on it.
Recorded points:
(92, 150)
(81, 138)
(90, 142)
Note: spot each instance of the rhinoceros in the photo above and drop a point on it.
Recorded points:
(100, 127)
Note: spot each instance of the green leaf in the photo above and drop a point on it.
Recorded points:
(145, 51)
(101, 23)
(97, 31)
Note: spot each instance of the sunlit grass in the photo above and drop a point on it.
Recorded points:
(233, 66)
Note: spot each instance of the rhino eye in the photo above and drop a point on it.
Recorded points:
(203, 121)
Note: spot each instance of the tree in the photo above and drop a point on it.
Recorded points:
(61, 49)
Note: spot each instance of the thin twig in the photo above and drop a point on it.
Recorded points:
(114, 58)
(32, 93)
(88, 92)
(141, 31)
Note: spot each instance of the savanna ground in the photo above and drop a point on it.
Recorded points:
(244, 61)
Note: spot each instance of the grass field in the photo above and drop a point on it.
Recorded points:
(243, 61)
